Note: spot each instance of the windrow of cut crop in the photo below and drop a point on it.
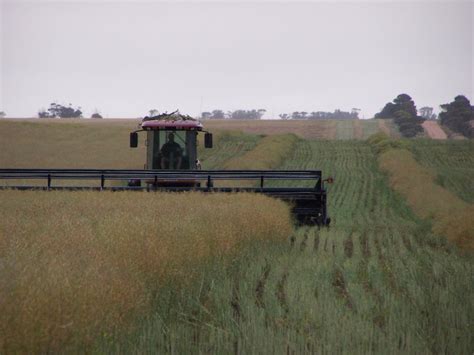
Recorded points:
(78, 266)
(451, 217)
(269, 153)
(227, 145)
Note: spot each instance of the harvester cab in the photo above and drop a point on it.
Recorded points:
(171, 142)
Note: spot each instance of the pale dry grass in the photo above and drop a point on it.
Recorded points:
(309, 129)
(451, 216)
(69, 144)
(76, 266)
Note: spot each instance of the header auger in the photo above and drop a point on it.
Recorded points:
(172, 164)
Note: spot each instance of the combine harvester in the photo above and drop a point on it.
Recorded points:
(172, 165)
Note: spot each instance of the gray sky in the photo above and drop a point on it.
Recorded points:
(125, 58)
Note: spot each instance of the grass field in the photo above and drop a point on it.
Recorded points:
(378, 281)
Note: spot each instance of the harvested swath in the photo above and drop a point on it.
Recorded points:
(316, 241)
(452, 217)
(385, 267)
(260, 288)
(281, 293)
(378, 318)
(269, 153)
(453, 163)
(364, 243)
(339, 285)
(349, 246)
(235, 300)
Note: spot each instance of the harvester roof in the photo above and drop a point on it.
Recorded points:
(166, 125)
(171, 121)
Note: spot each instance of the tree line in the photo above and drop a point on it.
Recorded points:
(56, 110)
(317, 115)
(234, 115)
(297, 115)
(457, 115)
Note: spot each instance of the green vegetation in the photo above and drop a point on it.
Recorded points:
(378, 281)
(356, 129)
(458, 115)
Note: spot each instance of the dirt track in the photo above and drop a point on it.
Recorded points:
(433, 130)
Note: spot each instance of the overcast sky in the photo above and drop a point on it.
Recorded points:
(124, 58)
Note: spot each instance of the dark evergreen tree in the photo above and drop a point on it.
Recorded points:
(458, 116)
(404, 113)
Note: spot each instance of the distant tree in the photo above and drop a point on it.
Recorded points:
(405, 103)
(96, 115)
(315, 115)
(319, 115)
(404, 114)
(236, 115)
(61, 111)
(402, 102)
(427, 113)
(355, 112)
(42, 113)
(218, 115)
(408, 125)
(246, 114)
(153, 112)
(2, 114)
(388, 111)
(206, 115)
(458, 116)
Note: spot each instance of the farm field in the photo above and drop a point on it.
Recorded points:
(308, 129)
(315, 129)
(377, 281)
